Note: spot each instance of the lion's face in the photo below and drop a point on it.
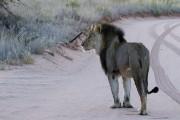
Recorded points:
(93, 41)
(90, 42)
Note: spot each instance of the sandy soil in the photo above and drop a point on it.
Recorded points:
(55, 88)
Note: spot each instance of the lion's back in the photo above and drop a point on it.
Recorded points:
(139, 47)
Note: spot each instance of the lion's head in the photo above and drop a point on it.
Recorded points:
(93, 41)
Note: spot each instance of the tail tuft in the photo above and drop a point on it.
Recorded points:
(154, 90)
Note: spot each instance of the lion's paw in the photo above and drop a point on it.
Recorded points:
(116, 105)
(142, 112)
(127, 105)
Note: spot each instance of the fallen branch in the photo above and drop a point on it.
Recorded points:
(49, 52)
(75, 37)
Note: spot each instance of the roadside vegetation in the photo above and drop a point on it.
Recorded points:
(30, 26)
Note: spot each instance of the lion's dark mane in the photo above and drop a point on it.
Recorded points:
(107, 31)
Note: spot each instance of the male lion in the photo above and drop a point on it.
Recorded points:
(119, 58)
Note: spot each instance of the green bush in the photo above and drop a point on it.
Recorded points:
(73, 4)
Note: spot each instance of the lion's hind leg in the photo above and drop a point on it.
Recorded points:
(113, 81)
(136, 68)
(142, 82)
(142, 93)
(127, 89)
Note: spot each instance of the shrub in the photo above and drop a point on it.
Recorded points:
(73, 4)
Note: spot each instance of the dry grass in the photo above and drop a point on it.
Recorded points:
(44, 23)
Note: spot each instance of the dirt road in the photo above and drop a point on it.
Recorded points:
(55, 88)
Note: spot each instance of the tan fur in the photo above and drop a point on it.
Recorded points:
(119, 58)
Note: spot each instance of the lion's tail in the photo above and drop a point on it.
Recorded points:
(144, 59)
(154, 90)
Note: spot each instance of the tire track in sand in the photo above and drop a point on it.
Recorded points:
(173, 35)
(161, 77)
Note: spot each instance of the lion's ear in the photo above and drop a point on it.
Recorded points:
(98, 28)
(92, 27)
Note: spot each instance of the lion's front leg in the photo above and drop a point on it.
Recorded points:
(113, 81)
(127, 89)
